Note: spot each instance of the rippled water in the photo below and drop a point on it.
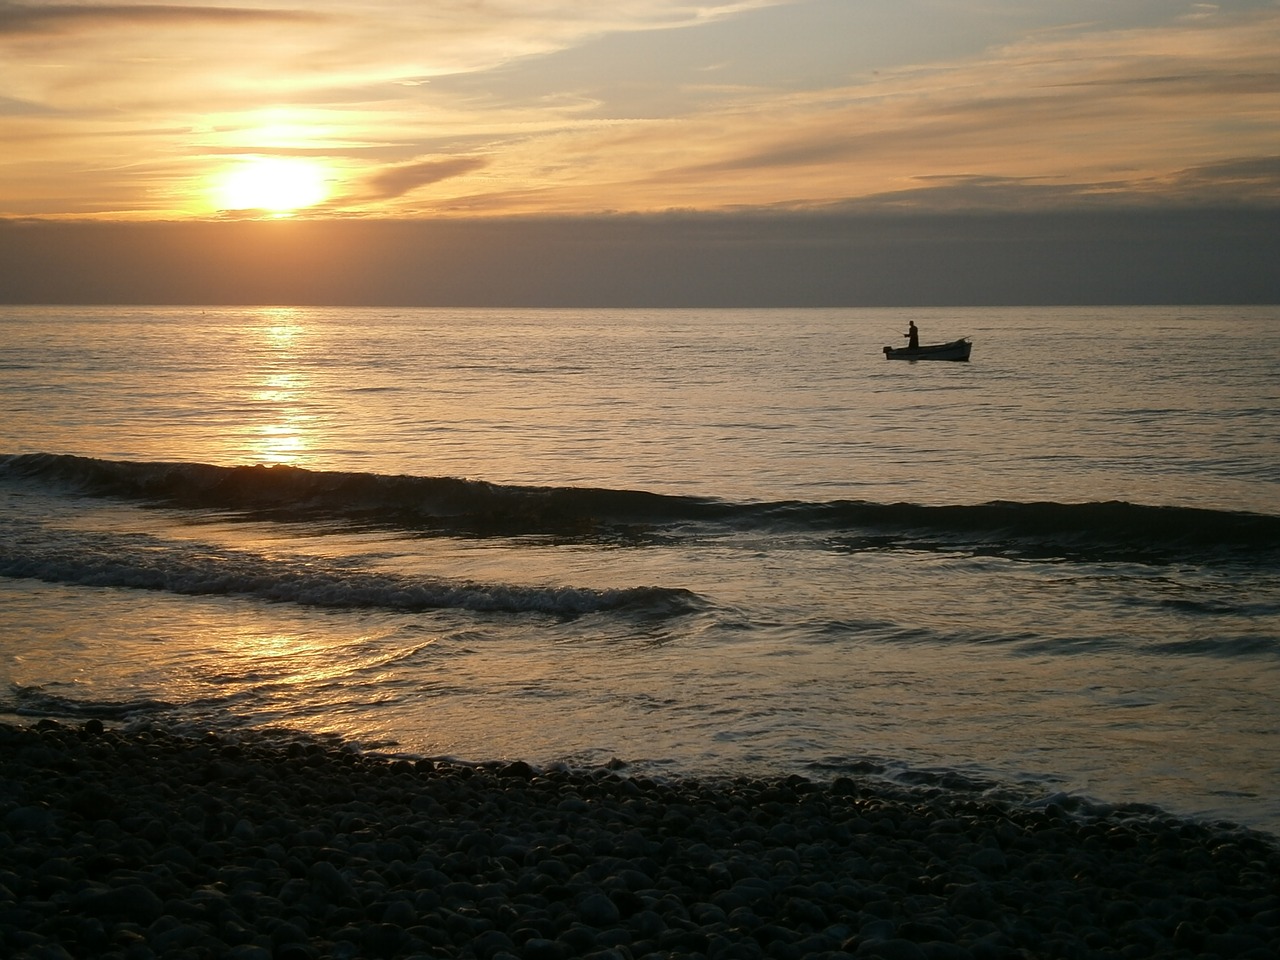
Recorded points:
(782, 563)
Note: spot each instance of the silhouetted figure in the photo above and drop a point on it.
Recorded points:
(912, 335)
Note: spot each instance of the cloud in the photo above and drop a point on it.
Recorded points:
(9, 107)
(1101, 256)
(1245, 180)
(573, 106)
(19, 18)
(1239, 183)
(1080, 115)
(400, 180)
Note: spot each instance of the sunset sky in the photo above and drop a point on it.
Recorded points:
(437, 110)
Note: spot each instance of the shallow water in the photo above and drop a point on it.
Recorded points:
(695, 540)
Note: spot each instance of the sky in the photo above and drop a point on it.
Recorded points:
(882, 136)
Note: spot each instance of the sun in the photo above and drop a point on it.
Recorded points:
(274, 185)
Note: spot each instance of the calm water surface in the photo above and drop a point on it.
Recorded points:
(700, 541)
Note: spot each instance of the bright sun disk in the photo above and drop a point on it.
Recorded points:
(277, 185)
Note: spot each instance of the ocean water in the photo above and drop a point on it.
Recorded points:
(701, 542)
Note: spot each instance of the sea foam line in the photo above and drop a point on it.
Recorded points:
(144, 563)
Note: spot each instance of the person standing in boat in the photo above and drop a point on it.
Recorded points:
(912, 335)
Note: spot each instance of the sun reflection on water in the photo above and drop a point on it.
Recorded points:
(283, 434)
(280, 443)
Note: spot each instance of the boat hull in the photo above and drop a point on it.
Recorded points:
(955, 350)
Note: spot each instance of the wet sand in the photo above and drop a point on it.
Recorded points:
(160, 843)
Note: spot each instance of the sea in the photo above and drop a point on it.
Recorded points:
(707, 543)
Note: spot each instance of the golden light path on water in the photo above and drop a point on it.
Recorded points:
(282, 435)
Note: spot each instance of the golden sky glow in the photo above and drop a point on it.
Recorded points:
(376, 108)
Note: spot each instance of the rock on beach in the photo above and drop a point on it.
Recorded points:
(159, 843)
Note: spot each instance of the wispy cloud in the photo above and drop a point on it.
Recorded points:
(455, 107)
(397, 181)
(19, 18)
(1088, 113)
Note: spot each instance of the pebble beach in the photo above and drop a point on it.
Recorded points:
(159, 842)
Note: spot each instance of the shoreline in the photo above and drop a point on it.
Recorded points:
(156, 843)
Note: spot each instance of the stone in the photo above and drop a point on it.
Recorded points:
(120, 844)
(538, 948)
(491, 943)
(897, 949)
(130, 902)
(597, 910)
(330, 882)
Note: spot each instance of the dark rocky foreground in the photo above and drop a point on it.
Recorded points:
(165, 845)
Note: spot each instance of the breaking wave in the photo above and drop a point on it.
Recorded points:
(1099, 531)
(142, 562)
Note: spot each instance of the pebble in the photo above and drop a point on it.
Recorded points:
(154, 842)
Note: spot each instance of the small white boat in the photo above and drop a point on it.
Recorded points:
(955, 350)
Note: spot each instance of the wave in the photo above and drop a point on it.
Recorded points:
(142, 562)
(1104, 531)
(39, 702)
(1111, 531)
(449, 504)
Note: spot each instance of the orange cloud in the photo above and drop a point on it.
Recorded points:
(124, 110)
